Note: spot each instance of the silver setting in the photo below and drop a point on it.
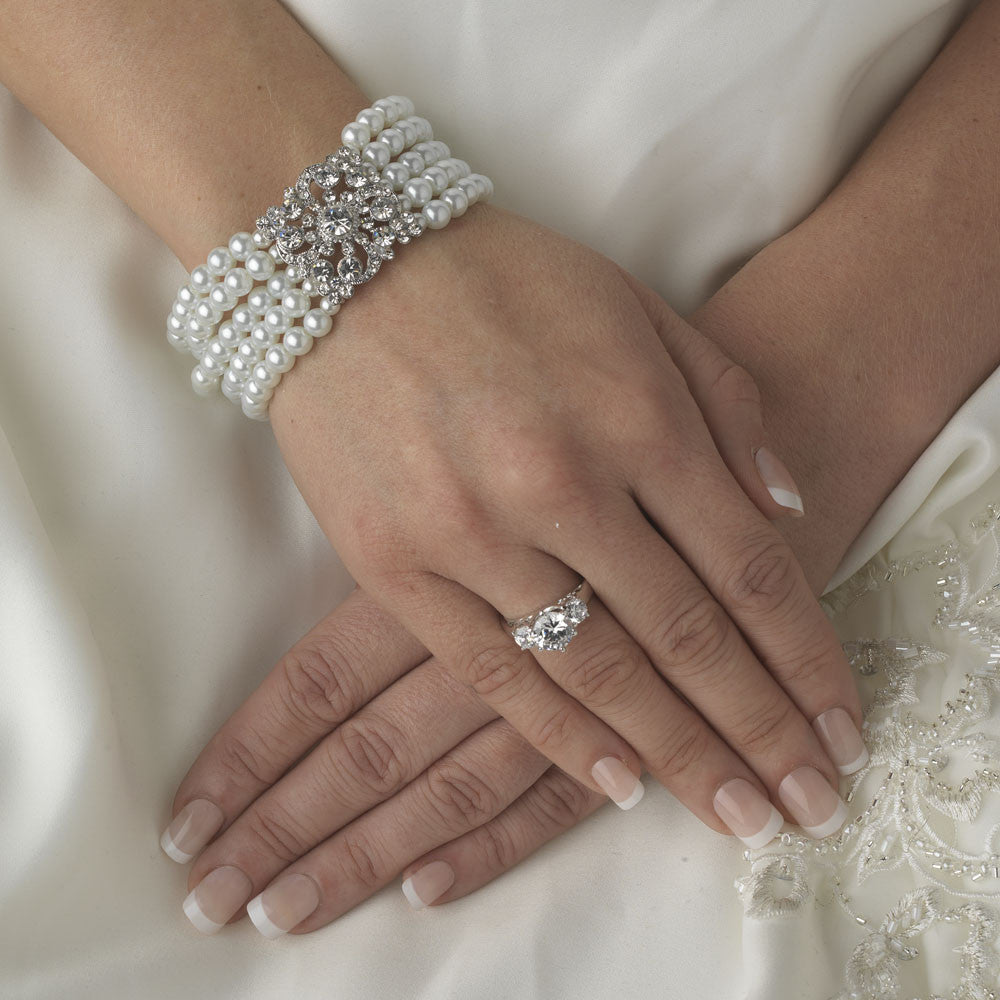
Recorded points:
(553, 627)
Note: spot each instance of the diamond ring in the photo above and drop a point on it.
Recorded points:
(554, 626)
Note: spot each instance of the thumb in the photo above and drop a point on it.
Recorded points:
(730, 403)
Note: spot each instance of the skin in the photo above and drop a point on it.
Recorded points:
(856, 280)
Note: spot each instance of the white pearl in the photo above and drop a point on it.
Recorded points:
(419, 190)
(175, 324)
(255, 411)
(260, 300)
(257, 393)
(177, 341)
(373, 118)
(230, 336)
(454, 168)
(378, 153)
(220, 260)
(413, 162)
(437, 213)
(204, 381)
(329, 306)
(409, 131)
(455, 198)
(355, 135)
(470, 187)
(295, 272)
(277, 320)
(243, 318)
(405, 104)
(278, 358)
(231, 389)
(297, 342)
(295, 302)
(242, 365)
(202, 280)
(396, 174)
(187, 295)
(180, 310)
(393, 138)
(389, 108)
(213, 365)
(317, 323)
(234, 377)
(262, 338)
(250, 352)
(308, 286)
(405, 204)
(196, 345)
(484, 184)
(208, 312)
(463, 167)
(240, 245)
(428, 151)
(196, 326)
(223, 297)
(279, 283)
(274, 253)
(238, 280)
(438, 177)
(264, 377)
(424, 130)
(217, 349)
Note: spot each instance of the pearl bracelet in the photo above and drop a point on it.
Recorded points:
(272, 318)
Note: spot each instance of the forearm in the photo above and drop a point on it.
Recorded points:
(871, 322)
(181, 108)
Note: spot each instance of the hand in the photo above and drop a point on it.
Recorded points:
(496, 417)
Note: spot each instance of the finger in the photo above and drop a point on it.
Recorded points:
(366, 760)
(449, 799)
(694, 643)
(466, 635)
(337, 667)
(730, 402)
(552, 805)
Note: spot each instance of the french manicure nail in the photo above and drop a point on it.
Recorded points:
(817, 808)
(778, 480)
(747, 813)
(428, 883)
(841, 740)
(211, 903)
(191, 829)
(618, 782)
(284, 904)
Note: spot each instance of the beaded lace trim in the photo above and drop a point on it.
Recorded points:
(903, 813)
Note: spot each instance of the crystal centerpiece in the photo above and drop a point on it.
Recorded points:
(553, 627)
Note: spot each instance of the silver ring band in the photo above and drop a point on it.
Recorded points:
(554, 626)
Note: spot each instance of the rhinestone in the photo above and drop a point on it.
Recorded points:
(523, 637)
(336, 222)
(576, 610)
(553, 630)
(324, 175)
(289, 238)
(350, 268)
(384, 208)
(354, 177)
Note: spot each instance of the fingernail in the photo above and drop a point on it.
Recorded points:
(817, 808)
(747, 813)
(211, 903)
(191, 829)
(428, 883)
(841, 740)
(618, 782)
(284, 904)
(778, 480)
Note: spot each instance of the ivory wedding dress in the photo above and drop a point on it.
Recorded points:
(155, 558)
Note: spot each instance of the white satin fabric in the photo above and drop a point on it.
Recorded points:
(155, 558)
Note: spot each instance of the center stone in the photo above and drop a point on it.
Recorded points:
(553, 630)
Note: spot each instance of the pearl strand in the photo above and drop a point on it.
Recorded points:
(246, 354)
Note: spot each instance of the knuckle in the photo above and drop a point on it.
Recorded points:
(765, 579)
(242, 766)
(374, 750)
(602, 672)
(686, 749)
(694, 635)
(319, 686)
(276, 834)
(537, 470)
(763, 730)
(558, 730)
(460, 797)
(495, 668)
(562, 802)
(360, 861)
(733, 384)
(498, 846)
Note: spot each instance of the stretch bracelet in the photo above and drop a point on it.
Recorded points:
(261, 301)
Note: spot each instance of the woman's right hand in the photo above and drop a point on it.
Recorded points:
(503, 412)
